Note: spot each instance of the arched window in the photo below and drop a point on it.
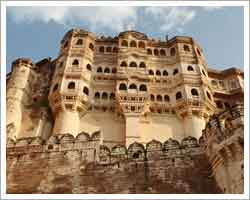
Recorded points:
(166, 98)
(141, 45)
(198, 51)
(165, 73)
(91, 46)
(65, 44)
(122, 86)
(97, 95)
(112, 96)
(55, 87)
(149, 51)
(151, 72)
(71, 85)
(123, 64)
(208, 95)
(158, 73)
(162, 52)
(142, 65)
(186, 48)
(143, 88)
(152, 97)
(175, 71)
(115, 49)
(159, 98)
(133, 86)
(190, 68)
(113, 70)
(156, 52)
(79, 42)
(133, 44)
(86, 90)
(101, 49)
(124, 43)
(75, 62)
(172, 52)
(108, 49)
(194, 92)
(104, 95)
(106, 70)
(89, 67)
(178, 95)
(133, 64)
(99, 70)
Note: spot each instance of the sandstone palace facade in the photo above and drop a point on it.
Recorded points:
(125, 96)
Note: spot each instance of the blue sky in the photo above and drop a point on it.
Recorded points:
(36, 32)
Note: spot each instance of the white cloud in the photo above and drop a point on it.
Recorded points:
(113, 18)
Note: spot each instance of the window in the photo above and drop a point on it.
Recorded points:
(156, 52)
(99, 70)
(227, 105)
(204, 73)
(133, 44)
(198, 51)
(123, 64)
(159, 98)
(194, 92)
(97, 95)
(143, 88)
(214, 82)
(108, 49)
(86, 90)
(55, 87)
(79, 42)
(190, 68)
(133, 64)
(166, 98)
(151, 72)
(175, 72)
(106, 70)
(219, 104)
(149, 51)
(124, 43)
(172, 52)
(141, 45)
(112, 96)
(186, 48)
(162, 52)
(65, 44)
(71, 85)
(208, 95)
(115, 49)
(60, 65)
(113, 70)
(152, 97)
(101, 49)
(122, 86)
(165, 73)
(104, 95)
(89, 67)
(142, 65)
(91, 46)
(158, 73)
(75, 62)
(178, 95)
(133, 86)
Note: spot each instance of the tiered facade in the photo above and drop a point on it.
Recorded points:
(129, 88)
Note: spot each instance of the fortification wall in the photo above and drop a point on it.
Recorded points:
(65, 164)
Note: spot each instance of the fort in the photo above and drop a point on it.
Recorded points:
(145, 114)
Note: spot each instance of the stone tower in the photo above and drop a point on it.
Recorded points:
(18, 94)
(70, 95)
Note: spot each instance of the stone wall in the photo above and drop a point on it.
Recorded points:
(65, 164)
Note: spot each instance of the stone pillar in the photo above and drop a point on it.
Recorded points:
(132, 129)
(193, 125)
(67, 122)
